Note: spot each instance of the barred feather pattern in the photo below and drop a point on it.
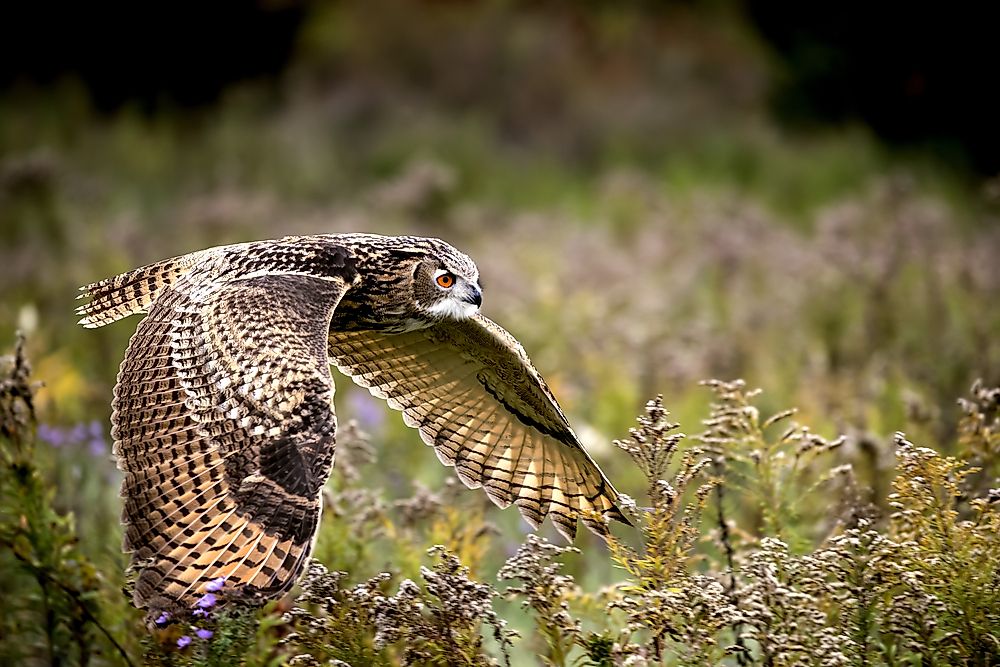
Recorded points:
(224, 427)
(131, 292)
(473, 394)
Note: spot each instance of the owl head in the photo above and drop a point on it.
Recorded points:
(409, 283)
(445, 283)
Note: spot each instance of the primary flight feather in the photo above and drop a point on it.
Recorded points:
(223, 416)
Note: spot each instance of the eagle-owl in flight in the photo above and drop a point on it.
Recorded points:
(223, 418)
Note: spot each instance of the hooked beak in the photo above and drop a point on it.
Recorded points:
(473, 295)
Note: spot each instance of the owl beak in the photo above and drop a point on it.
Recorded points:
(473, 295)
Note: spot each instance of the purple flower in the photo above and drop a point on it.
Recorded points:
(204, 634)
(207, 601)
(366, 410)
(53, 435)
(183, 641)
(90, 434)
(199, 612)
(215, 585)
(162, 618)
(97, 445)
(78, 433)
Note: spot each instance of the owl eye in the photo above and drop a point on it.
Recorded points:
(445, 280)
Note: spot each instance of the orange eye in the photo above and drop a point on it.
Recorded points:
(445, 280)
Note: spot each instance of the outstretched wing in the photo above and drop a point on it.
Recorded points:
(472, 392)
(224, 426)
(133, 291)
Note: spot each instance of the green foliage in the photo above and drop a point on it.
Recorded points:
(775, 470)
(235, 636)
(921, 585)
(50, 587)
(950, 552)
(547, 592)
(979, 434)
(439, 623)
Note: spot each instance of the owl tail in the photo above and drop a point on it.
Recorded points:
(130, 292)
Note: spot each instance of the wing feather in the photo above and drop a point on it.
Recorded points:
(472, 393)
(224, 427)
(131, 292)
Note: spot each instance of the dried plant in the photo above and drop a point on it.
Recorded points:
(355, 516)
(668, 611)
(979, 435)
(860, 571)
(360, 510)
(949, 552)
(670, 527)
(783, 617)
(330, 622)
(546, 591)
(776, 473)
(438, 623)
(441, 623)
(925, 591)
(684, 622)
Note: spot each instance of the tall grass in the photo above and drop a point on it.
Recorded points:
(919, 584)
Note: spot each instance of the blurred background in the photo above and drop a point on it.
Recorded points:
(805, 196)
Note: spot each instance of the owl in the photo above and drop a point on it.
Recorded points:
(223, 417)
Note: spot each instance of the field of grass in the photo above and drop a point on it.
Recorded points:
(640, 234)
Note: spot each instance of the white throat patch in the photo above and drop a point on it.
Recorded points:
(454, 309)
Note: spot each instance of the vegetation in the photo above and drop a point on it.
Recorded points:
(640, 226)
(921, 585)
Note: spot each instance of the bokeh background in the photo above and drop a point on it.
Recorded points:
(804, 196)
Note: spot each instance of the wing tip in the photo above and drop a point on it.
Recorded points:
(597, 521)
(567, 529)
(499, 498)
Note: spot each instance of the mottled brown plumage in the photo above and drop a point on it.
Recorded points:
(223, 415)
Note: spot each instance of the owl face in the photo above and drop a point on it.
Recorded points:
(446, 286)
(407, 283)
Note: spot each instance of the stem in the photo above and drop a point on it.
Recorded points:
(74, 596)
(557, 655)
(45, 578)
(770, 506)
(49, 621)
(741, 657)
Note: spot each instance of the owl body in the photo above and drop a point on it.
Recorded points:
(223, 416)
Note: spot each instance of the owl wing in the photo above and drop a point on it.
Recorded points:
(472, 392)
(224, 427)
